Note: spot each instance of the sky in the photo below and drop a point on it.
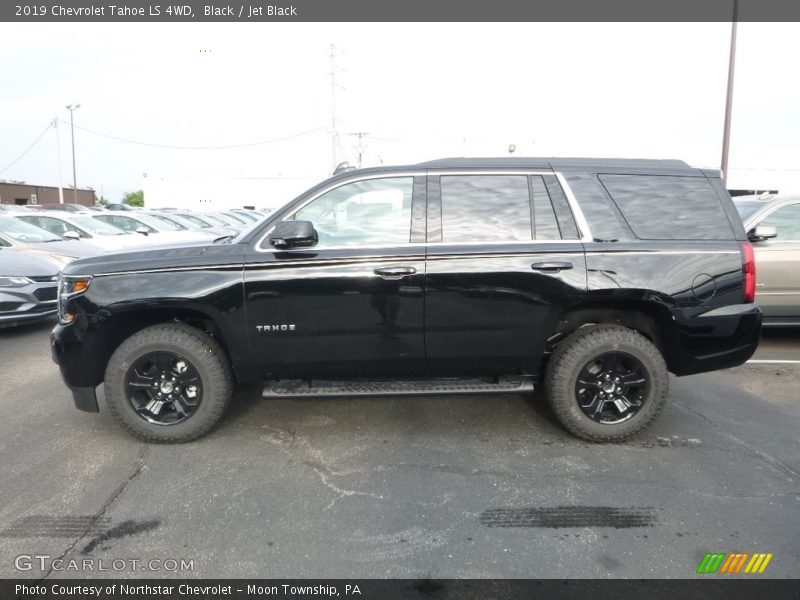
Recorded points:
(419, 91)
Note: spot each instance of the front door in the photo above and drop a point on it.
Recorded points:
(353, 304)
(504, 257)
(777, 274)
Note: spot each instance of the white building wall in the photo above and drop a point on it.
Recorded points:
(219, 194)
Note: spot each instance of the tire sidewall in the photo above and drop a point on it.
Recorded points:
(203, 361)
(577, 357)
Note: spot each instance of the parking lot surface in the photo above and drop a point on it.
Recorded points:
(403, 487)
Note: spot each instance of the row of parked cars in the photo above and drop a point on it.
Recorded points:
(36, 244)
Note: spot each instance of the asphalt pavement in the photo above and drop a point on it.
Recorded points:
(423, 487)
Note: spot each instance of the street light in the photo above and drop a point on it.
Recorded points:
(726, 131)
(72, 108)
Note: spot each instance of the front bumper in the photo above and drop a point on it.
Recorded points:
(27, 303)
(718, 339)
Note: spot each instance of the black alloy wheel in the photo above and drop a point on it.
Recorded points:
(611, 387)
(164, 387)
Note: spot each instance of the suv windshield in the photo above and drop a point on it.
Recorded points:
(746, 208)
(24, 232)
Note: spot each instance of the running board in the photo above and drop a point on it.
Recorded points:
(296, 388)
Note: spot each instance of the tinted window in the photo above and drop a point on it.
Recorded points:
(370, 212)
(666, 207)
(545, 225)
(786, 221)
(597, 207)
(485, 208)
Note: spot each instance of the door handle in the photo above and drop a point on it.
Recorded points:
(394, 272)
(551, 267)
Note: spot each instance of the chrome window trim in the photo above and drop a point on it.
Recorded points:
(645, 252)
(577, 213)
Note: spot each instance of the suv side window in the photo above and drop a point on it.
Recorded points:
(786, 221)
(669, 207)
(368, 212)
(485, 208)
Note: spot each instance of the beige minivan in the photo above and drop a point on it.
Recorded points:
(773, 226)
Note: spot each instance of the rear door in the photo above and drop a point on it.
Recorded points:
(504, 258)
(778, 264)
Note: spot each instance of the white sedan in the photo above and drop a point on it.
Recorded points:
(157, 231)
(72, 226)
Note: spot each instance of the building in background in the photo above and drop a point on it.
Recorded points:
(223, 193)
(22, 194)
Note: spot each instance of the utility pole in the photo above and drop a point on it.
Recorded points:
(360, 135)
(333, 108)
(726, 134)
(72, 108)
(58, 157)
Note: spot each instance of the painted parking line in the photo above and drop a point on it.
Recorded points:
(774, 362)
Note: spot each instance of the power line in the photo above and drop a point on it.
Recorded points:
(221, 147)
(21, 156)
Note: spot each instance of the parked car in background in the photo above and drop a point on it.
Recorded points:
(158, 231)
(121, 206)
(66, 207)
(82, 227)
(96, 208)
(28, 286)
(15, 233)
(9, 208)
(224, 220)
(242, 216)
(193, 223)
(205, 223)
(773, 226)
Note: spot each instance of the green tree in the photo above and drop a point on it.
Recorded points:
(134, 198)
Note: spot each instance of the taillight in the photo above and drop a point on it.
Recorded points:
(748, 272)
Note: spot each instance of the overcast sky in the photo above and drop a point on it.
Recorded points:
(420, 91)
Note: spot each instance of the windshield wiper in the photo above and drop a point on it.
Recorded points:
(222, 239)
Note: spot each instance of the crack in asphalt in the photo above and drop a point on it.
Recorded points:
(140, 463)
(770, 460)
(286, 440)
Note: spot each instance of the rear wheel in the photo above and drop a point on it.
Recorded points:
(168, 383)
(606, 382)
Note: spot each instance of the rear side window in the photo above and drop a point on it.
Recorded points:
(485, 208)
(668, 207)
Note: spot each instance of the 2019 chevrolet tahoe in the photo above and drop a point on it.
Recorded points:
(594, 278)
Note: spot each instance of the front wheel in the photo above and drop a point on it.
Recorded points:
(168, 383)
(606, 382)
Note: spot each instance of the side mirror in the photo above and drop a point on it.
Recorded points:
(293, 234)
(761, 233)
(142, 230)
(71, 235)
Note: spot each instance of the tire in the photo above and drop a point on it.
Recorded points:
(148, 352)
(587, 356)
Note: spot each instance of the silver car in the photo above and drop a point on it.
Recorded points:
(28, 286)
(773, 226)
(18, 234)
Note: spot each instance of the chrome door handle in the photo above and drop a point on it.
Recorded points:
(551, 267)
(394, 272)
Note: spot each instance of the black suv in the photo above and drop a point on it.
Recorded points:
(594, 278)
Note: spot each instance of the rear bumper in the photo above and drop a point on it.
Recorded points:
(718, 339)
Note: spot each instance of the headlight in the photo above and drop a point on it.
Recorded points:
(12, 282)
(69, 286)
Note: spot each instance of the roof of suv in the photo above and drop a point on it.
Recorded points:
(609, 165)
(528, 163)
